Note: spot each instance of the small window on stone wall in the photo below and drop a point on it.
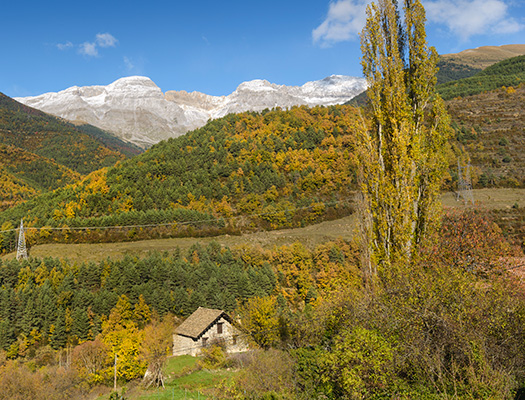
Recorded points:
(219, 327)
(204, 341)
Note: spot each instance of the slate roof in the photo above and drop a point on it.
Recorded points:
(200, 321)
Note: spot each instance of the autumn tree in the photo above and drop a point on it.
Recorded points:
(401, 149)
(90, 359)
(122, 338)
(260, 319)
(155, 349)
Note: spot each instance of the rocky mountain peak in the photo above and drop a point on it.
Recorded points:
(141, 83)
(136, 110)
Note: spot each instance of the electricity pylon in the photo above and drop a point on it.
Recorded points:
(21, 250)
(465, 184)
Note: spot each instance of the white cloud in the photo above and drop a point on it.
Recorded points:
(129, 64)
(508, 26)
(65, 46)
(88, 49)
(101, 40)
(466, 18)
(344, 21)
(106, 40)
(134, 66)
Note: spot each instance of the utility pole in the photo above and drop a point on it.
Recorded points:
(115, 374)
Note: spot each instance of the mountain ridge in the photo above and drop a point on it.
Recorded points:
(485, 56)
(135, 108)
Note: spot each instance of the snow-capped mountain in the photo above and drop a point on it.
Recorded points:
(136, 109)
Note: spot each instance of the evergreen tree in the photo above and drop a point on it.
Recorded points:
(46, 301)
(81, 325)
(58, 338)
(7, 334)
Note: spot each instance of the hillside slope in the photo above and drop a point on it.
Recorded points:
(510, 72)
(468, 63)
(25, 174)
(273, 169)
(39, 152)
(49, 137)
(266, 170)
(485, 56)
(490, 128)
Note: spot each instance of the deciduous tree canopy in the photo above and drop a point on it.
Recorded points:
(401, 151)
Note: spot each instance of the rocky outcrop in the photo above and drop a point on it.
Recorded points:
(136, 110)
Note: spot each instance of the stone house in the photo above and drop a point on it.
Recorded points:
(205, 327)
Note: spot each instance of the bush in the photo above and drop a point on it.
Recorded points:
(213, 357)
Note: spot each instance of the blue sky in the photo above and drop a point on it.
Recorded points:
(213, 46)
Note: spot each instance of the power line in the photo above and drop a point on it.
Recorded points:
(173, 223)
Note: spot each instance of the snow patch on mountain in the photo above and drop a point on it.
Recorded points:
(136, 110)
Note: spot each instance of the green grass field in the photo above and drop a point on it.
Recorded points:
(185, 381)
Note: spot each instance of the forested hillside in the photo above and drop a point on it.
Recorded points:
(510, 72)
(49, 137)
(39, 152)
(13, 190)
(489, 127)
(455, 79)
(275, 169)
(109, 140)
(453, 71)
(24, 174)
(272, 169)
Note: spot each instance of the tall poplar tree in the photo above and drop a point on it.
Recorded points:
(401, 148)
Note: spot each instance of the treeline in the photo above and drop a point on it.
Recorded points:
(56, 303)
(510, 72)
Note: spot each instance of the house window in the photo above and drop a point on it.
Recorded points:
(234, 340)
(219, 328)
(204, 341)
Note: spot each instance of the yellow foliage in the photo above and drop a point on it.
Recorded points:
(223, 207)
(96, 182)
(259, 318)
